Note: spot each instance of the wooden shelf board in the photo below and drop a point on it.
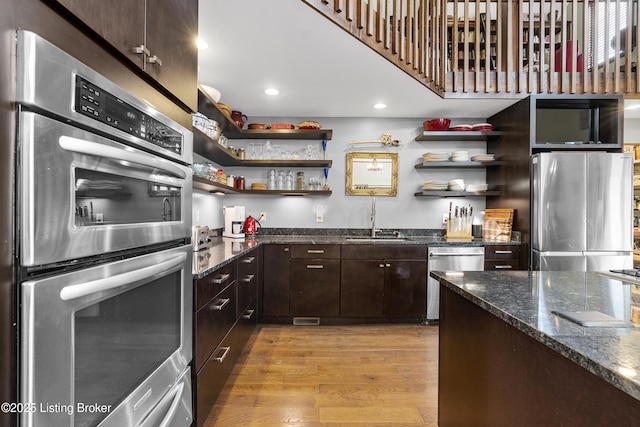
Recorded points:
(215, 152)
(209, 108)
(447, 193)
(215, 187)
(448, 135)
(450, 164)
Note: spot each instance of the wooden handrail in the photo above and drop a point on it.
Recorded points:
(507, 48)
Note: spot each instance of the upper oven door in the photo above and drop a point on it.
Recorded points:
(83, 195)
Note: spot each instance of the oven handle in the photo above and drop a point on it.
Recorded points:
(77, 291)
(171, 413)
(95, 149)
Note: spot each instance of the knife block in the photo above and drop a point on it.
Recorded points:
(459, 230)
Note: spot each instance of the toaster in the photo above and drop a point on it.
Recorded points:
(200, 237)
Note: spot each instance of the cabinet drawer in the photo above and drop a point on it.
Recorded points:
(379, 251)
(212, 323)
(211, 379)
(211, 285)
(501, 252)
(315, 251)
(247, 286)
(248, 264)
(502, 265)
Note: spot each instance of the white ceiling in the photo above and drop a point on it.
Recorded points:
(320, 69)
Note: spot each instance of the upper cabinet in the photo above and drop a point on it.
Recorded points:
(157, 36)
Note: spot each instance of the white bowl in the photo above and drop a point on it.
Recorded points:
(212, 92)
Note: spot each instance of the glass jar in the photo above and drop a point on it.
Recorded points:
(239, 184)
(300, 181)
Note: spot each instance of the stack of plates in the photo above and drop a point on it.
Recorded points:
(460, 156)
(461, 128)
(258, 186)
(474, 188)
(435, 157)
(435, 185)
(482, 127)
(483, 157)
(456, 185)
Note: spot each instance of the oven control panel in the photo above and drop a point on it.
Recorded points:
(92, 101)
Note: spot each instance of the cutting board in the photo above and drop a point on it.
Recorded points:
(497, 225)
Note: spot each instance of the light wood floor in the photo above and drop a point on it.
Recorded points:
(312, 376)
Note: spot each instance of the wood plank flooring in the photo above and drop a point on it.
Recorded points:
(331, 376)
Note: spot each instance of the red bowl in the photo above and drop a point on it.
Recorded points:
(437, 124)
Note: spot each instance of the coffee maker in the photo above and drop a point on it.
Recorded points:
(233, 221)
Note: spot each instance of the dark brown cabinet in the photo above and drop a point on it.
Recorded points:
(405, 288)
(314, 276)
(501, 257)
(362, 288)
(157, 36)
(225, 316)
(275, 283)
(383, 281)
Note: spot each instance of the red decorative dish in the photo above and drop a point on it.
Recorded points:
(461, 128)
(482, 127)
(276, 126)
(436, 124)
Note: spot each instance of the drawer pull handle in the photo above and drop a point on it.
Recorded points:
(381, 265)
(286, 249)
(224, 355)
(220, 280)
(249, 260)
(221, 304)
(248, 278)
(315, 251)
(503, 252)
(312, 266)
(503, 267)
(248, 315)
(387, 265)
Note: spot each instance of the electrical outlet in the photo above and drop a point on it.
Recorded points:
(263, 217)
(445, 216)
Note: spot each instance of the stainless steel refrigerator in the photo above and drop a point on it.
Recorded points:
(581, 211)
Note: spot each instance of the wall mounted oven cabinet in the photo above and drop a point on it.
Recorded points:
(105, 261)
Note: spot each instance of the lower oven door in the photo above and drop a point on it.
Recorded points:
(82, 194)
(104, 345)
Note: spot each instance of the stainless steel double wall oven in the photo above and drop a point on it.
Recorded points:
(104, 221)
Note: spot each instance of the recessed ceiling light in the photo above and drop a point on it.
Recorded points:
(272, 91)
(380, 106)
(202, 45)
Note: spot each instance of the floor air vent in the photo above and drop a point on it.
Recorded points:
(306, 321)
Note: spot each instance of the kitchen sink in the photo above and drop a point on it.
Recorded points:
(377, 239)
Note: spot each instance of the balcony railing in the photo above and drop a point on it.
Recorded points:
(506, 48)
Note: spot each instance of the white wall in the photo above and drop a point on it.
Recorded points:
(342, 211)
(632, 131)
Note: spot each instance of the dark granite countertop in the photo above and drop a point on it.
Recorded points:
(526, 300)
(224, 250)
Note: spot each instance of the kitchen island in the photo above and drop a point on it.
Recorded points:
(506, 359)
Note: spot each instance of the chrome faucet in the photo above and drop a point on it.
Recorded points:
(166, 213)
(373, 217)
